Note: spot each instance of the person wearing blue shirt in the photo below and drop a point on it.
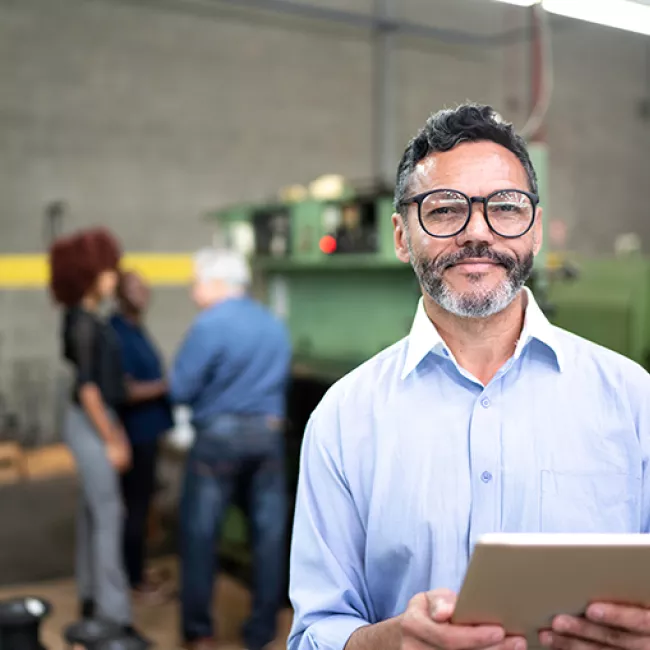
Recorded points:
(485, 418)
(232, 369)
(146, 416)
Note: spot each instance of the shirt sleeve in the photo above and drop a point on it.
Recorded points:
(640, 402)
(192, 363)
(82, 341)
(327, 585)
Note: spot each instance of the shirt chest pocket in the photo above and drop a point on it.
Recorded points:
(590, 502)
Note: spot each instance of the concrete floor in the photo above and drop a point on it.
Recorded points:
(160, 623)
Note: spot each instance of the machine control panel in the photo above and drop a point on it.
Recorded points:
(349, 227)
(272, 229)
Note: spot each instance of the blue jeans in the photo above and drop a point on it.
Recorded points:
(232, 450)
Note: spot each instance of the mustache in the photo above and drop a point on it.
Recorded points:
(481, 251)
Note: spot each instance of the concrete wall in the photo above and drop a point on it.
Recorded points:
(143, 118)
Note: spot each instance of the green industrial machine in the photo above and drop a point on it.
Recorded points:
(328, 268)
(607, 302)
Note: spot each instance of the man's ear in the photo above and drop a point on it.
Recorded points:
(400, 236)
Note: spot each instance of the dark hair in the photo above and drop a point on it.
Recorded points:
(448, 128)
(77, 260)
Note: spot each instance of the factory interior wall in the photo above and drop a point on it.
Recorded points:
(142, 118)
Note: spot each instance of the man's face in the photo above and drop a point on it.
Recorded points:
(106, 284)
(476, 273)
(206, 293)
(135, 293)
(199, 292)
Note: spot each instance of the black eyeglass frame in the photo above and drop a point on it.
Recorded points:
(419, 199)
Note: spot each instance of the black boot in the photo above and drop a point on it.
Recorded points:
(87, 609)
(140, 640)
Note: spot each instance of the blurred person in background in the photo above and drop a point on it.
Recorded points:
(485, 418)
(84, 274)
(232, 369)
(146, 415)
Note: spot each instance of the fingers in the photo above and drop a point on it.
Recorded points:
(579, 633)
(631, 619)
(550, 639)
(602, 634)
(426, 624)
(455, 637)
(511, 643)
(418, 625)
(414, 644)
(441, 604)
(604, 626)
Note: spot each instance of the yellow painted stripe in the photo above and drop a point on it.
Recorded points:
(31, 271)
(167, 269)
(23, 271)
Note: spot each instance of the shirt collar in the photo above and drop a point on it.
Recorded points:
(424, 337)
(119, 321)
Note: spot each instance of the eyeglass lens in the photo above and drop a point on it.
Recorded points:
(444, 212)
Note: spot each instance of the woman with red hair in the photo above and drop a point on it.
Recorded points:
(84, 274)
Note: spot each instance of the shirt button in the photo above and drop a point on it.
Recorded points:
(486, 477)
(485, 402)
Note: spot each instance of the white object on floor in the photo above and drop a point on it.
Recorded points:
(182, 435)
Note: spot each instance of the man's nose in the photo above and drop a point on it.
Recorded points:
(477, 230)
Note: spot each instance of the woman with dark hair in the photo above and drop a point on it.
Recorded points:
(146, 416)
(84, 274)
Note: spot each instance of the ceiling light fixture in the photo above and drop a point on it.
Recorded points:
(520, 3)
(621, 14)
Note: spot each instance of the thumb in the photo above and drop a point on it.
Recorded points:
(441, 606)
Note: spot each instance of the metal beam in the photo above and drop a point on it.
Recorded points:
(208, 8)
(383, 21)
(384, 96)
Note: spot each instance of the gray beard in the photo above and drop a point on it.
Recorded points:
(479, 303)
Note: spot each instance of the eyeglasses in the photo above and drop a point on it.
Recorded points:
(446, 213)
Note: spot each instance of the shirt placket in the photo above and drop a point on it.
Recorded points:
(485, 461)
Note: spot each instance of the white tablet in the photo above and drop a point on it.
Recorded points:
(521, 581)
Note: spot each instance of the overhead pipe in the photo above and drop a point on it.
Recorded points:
(541, 75)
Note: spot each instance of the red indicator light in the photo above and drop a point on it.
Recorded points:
(327, 244)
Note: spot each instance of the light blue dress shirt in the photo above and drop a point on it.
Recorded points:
(409, 459)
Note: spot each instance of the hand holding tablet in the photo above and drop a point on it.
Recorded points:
(427, 624)
(592, 590)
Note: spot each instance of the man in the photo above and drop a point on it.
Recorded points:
(146, 417)
(485, 418)
(232, 370)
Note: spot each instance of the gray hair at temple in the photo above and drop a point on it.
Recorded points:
(228, 266)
